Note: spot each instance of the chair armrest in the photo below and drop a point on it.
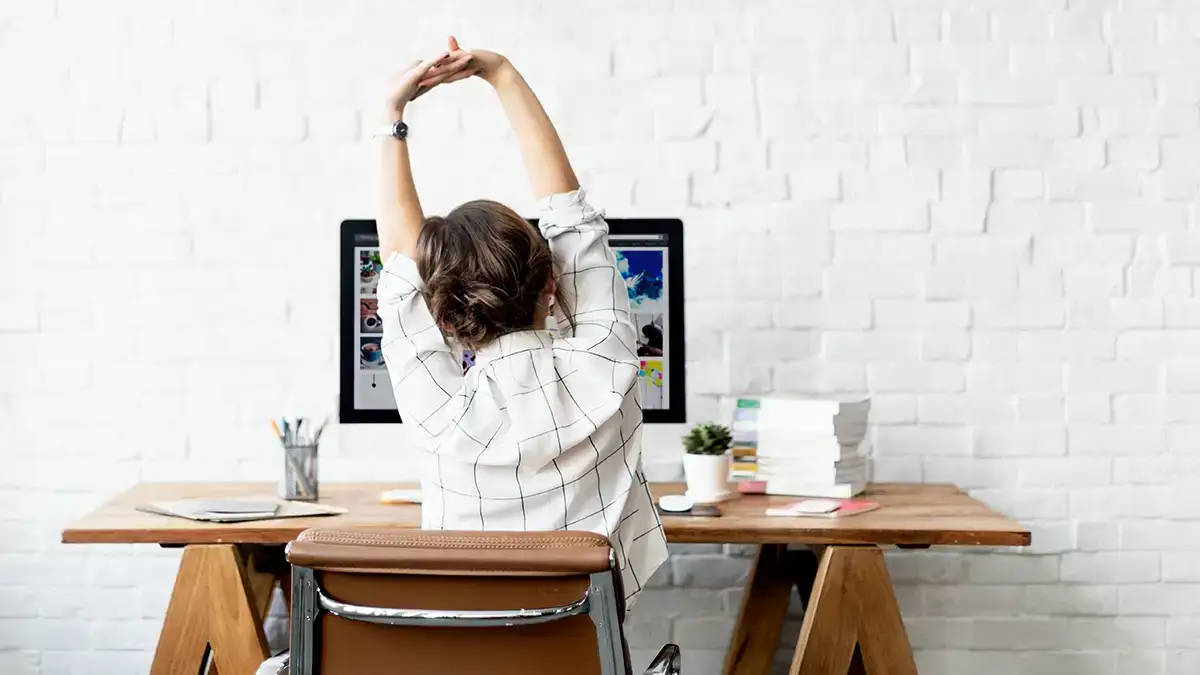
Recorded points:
(666, 663)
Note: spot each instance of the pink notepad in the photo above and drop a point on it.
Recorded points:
(824, 508)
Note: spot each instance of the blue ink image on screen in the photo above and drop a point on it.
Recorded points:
(643, 272)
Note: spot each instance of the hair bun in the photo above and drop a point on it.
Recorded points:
(468, 311)
(486, 272)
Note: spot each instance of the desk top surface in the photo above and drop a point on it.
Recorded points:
(908, 514)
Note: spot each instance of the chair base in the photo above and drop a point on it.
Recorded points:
(276, 665)
(666, 663)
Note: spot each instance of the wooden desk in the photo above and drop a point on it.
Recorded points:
(852, 623)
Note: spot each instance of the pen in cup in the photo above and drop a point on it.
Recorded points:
(300, 457)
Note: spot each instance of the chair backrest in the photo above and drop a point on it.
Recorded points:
(505, 603)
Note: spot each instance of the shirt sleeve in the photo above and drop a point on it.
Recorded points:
(597, 300)
(425, 372)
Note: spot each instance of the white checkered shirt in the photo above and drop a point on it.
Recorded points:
(544, 432)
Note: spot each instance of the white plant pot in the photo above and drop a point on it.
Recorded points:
(707, 477)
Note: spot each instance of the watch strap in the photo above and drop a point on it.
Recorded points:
(397, 130)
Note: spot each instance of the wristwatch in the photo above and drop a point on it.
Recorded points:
(397, 130)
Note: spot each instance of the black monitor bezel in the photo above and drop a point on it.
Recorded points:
(348, 311)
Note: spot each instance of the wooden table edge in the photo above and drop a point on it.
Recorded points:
(281, 536)
(864, 538)
(271, 536)
(1001, 532)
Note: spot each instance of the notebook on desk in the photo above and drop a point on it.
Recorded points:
(238, 510)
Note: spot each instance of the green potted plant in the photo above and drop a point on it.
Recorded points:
(706, 462)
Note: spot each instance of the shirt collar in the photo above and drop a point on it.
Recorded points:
(512, 343)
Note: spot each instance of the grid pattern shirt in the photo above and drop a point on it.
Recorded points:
(544, 432)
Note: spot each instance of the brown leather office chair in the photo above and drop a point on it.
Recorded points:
(375, 600)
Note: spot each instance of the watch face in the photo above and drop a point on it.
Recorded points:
(400, 130)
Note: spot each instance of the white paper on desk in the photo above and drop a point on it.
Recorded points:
(227, 510)
(401, 496)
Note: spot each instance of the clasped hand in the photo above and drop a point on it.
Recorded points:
(452, 65)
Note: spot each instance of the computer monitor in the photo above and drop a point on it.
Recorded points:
(650, 256)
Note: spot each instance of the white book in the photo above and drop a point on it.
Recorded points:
(811, 477)
(801, 489)
(786, 417)
(809, 472)
(846, 462)
(816, 451)
(806, 466)
(825, 427)
(835, 454)
(798, 408)
(773, 439)
(845, 433)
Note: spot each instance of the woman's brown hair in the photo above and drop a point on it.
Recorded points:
(485, 270)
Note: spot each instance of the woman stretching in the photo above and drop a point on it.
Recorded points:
(544, 432)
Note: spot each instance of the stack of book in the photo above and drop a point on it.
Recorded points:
(801, 447)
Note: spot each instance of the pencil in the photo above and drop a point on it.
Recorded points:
(320, 430)
(275, 428)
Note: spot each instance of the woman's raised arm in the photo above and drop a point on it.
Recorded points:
(545, 159)
(400, 217)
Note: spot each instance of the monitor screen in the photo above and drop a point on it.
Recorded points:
(649, 254)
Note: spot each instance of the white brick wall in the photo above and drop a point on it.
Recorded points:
(983, 212)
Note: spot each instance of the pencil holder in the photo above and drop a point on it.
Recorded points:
(300, 474)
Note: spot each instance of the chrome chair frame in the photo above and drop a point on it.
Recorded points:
(599, 602)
